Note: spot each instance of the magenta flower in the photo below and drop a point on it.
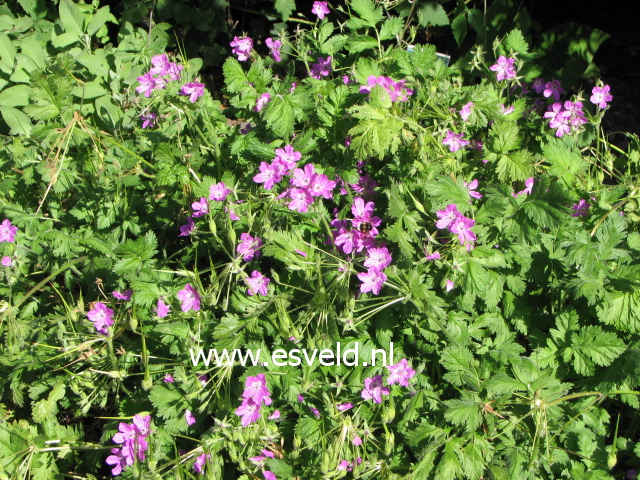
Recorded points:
(126, 295)
(147, 84)
(203, 379)
(397, 91)
(275, 415)
(321, 186)
(101, 316)
(187, 228)
(189, 417)
(300, 200)
(372, 281)
(600, 96)
(7, 231)
(538, 85)
(356, 440)
(148, 120)
(162, 309)
(118, 461)
(190, 298)
(133, 439)
(343, 465)
(320, 9)
(274, 48)
(218, 192)
(504, 68)
(462, 227)
(242, 47)
(506, 111)
(200, 208)
(160, 65)
(433, 256)
(454, 141)
(249, 247)
(580, 208)
(249, 410)
(257, 284)
(471, 186)
(553, 88)
(198, 465)
(269, 175)
(302, 177)
(194, 90)
(256, 389)
(449, 285)
(174, 71)
(322, 68)
(377, 258)
(447, 216)
(400, 373)
(262, 101)
(269, 475)
(559, 119)
(465, 111)
(7, 261)
(315, 411)
(373, 389)
(286, 158)
(344, 406)
(168, 378)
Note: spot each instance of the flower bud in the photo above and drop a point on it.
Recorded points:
(612, 459)
(389, 443)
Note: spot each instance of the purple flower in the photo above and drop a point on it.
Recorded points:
(559, 119)
(148, 120)
(218, 192)
(257, 283)
(300, 398)
(256, 389)
(377, 258)
(373, 389)
(249, 247)
(133, 439)
(344, 406)
(198, 465)
(553, 88)
(194, 89)
(286, 158)
(162, 309)
(249, 410)
(580, 208)
(174, 71)
(538, 85)
(262, 101)
(7, 261)
(274, 48)
(200, 208)
(356, 440)
(447, 216)
(189, 417)
(160, 65)
(302, 177)
(269, 175)
(168, 378)
(600, 96)
(396, 90)
(506, 111)
(275, 415)
(190, 298)
(504, 68)
(632, 474)
(449, 285)
(315, 411)
(300, 200)
(187, 228)
(433, 256)
(322, 68)
(321, 186)
(462, 227)
(400, 373)
(372, 281)
(118, 460)
(454, 141)
(101, 316)
(471, 186)
(126, 295)
(466, 111)
(203, 380)
(346, 79)
(320, 9)
(147, 84)
(269, 475)
(242, 48)
(7, 231)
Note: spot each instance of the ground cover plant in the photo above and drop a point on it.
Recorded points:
(350, 186)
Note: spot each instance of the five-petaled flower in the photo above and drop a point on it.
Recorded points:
(600, 96)
(580, 208)
(101, 316)
(504, 68)
(274, 48)
(7, 231)
(373, 389)
(218, 192)
(257, 283)
(249, 247)
(320, 9)
(198, 465)
(400, 373)
(241, 46)
(454, 141)
(190, 298)
(194, 90)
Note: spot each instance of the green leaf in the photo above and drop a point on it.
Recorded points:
(18, 122)
(459, 28)
(284, 8)
(360, 43)
(71, 17)
(590, 346)
(7, 50)
(515, 42)
(432, 13)
(565, 162)
(515, 166)
(504, 137)
(17, 96)
(390, 28)
(234, 77)
(102, 16)
(368, 11)
(279, 116)
(463, 412)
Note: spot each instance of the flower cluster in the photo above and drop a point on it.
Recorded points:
(400, 373)
(241, 47)
(322, 68)
(455, 222)
(397, 91)
(218, 193)
(133, 438)
(565, 117)
(255, 394)
(162, 72)
(101, 316)
(348, 466)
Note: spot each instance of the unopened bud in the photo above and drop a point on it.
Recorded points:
(612, 459)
